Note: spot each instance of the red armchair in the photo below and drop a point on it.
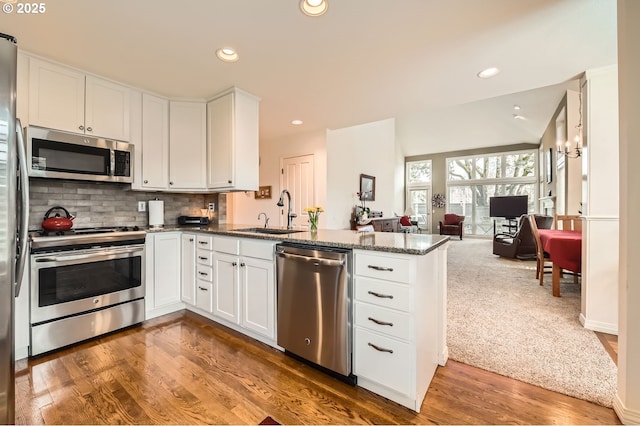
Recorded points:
(453, 225)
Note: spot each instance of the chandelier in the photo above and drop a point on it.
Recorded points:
(566, 149)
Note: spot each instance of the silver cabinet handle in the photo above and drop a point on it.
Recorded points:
(382, 296)
(202, 258)
(190, 240)
(203, 273)
(390, 324)
(81, 127)
(203, 288)
(243, 264)
(380, 268)
(378, 348)
(203, 242)
(89, 129)
(234, 263)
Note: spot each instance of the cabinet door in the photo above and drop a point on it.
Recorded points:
(166, 268)
(188, 247)
(106, 109)
(258, 296)
(155, 142)
(225, 287)
(187, 145)
(56, 96)
(220, 141)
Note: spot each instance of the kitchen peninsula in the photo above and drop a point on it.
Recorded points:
(227, 274)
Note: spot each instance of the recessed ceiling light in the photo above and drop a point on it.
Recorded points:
(296, 122)
(518, 117)
(516, 107)
(489, 72)
(314, 7)
(227, 54)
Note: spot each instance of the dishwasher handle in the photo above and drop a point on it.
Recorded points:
(316, 260)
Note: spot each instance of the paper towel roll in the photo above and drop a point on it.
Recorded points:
(156, 213)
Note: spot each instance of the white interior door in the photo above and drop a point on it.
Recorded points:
(298, 178)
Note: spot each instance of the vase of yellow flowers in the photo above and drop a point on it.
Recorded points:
(314, 215)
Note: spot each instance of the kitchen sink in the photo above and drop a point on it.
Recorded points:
(272, 231)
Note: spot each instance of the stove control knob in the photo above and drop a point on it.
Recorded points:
(135, 228)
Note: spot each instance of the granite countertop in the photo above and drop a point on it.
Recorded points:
(391, 242)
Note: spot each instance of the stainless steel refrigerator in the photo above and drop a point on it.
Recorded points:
(14, 209)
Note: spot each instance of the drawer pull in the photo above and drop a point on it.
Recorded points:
(382, 296)
(380, 268)
(378, 348)
(202, 258)
(390, 324)
(205, 243)
(203, 288)
(203, 273)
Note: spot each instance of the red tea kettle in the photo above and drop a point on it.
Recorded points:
(57, 222)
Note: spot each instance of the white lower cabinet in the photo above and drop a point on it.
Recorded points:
(244, 284)
(396, 323)
(162, 273)
(188, 280)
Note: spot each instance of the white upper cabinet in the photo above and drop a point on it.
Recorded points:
(232, 138)
(155, 142)
(187, 145)
(66, 99)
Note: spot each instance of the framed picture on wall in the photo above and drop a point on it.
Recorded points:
(367, 188)
(549, 165)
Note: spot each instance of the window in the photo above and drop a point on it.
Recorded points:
(471, 181)
(418, 197)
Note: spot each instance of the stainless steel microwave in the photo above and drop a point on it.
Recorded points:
(62, 155)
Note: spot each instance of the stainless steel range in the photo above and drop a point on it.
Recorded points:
(84, 283)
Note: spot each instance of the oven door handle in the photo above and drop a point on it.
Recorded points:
(66, 258)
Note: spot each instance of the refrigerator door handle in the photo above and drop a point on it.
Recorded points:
(24, 210)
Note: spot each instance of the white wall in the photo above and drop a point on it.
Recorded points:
(627, 403)
(370, 149)
(601, 213)
(245, 207)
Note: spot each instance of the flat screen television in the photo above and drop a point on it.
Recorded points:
(509, 207)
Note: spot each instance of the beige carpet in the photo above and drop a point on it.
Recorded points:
(501, 320)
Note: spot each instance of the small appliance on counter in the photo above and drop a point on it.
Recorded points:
(156, 214)
(193, 220)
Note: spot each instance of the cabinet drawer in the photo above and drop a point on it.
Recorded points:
(387, 226)
(258, 249)
(383, 360)
(226, 245)
(205, 242)
(392, 323)
(383, 293)
(204, 295)
(390, 268)
(204, 273)
(204, 257)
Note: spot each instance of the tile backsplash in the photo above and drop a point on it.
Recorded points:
(109, 204)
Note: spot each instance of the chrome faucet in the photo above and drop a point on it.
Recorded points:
(290, 215)
(266, 218)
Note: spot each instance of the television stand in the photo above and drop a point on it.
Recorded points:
(511, 225)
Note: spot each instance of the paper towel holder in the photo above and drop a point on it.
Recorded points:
(156, 213)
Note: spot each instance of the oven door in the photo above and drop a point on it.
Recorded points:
(72, 282)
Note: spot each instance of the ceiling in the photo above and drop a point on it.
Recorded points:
(363, 61)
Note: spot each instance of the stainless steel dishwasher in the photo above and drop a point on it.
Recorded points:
(314, 305)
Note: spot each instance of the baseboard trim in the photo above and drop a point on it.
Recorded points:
(626, 415)
(163, 310)
(602, 327)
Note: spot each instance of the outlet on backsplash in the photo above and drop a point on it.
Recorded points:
(142, 206)
(212, 207)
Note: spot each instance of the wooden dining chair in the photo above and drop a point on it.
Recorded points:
(568, 222)
(542, 258)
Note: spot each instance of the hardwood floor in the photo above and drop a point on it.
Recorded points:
(184, 369)
(610, 343)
